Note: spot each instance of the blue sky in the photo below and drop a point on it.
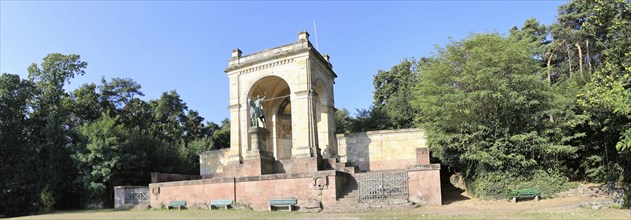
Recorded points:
(185, 46)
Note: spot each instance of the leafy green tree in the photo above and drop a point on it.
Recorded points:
(393, 90)
(606, 100)
(102, 156)
(51, 127)
(84, 105)
(221, 136)
(343, 121)
(169, 115)
(485, 108)
(370, 119)
(139, 114)
(19, 183)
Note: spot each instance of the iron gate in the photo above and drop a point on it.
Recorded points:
(382, 185)
(137, 195)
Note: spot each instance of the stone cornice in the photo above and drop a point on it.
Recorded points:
(266, 66)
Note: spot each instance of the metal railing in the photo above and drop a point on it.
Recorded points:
(379, 186)
(136, 195)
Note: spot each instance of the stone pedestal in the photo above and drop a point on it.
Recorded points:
(258, 140)
(258, 160)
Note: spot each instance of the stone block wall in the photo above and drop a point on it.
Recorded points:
(168, 177)
(382, 150)
(424, 184)
(255, 191)
(212, 162)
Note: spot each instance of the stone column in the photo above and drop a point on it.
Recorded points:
(235, 143)
(302, 125)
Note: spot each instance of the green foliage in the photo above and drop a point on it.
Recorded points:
(484, 108)
(101, 156)
(370, 119)
(50, 127)
(221, 136)
(46, 199)
(393, 90)
(60, 150)
(343, 121)
(497, 185)
(19, 182)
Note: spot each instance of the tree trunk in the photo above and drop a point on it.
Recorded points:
(569, 58)
(580, 58)
(589, 60)
(549, 60)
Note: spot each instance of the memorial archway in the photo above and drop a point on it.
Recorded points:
(277, 107)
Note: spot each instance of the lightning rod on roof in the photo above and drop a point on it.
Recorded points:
(316, 33)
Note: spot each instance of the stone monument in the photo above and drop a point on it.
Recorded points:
(268, 90)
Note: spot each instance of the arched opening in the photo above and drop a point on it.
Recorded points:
(276, 103)
(322, 112)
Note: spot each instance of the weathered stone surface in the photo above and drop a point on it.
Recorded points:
(311, 204)
(383, 150)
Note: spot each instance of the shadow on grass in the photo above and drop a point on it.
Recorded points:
(453, 194)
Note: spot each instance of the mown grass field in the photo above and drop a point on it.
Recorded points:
(418, 213)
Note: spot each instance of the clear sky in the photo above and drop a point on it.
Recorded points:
(185, 46)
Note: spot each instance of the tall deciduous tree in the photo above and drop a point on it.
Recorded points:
(484, 107)
(52, 134)
(393, 90)
(19, 185)
(101, 156)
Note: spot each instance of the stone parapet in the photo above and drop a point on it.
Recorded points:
(169, 177)
(254, 191)
(383, 150)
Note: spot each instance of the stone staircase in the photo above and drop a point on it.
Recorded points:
(349, 200)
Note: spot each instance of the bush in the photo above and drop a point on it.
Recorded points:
(497, 185)
(47, 199)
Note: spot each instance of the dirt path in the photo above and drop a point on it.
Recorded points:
(457, 202)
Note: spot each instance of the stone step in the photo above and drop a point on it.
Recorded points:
(350, 192)
(362, 207)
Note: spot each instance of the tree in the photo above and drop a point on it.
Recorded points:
(606, 100)
(19, 184)
(484, 108)
(120, 91)
(370, 119)
(343, 121)
(85, 105)
(393, 90)
(101, 157)
(51, 128)
(169, 115)
(221, 136)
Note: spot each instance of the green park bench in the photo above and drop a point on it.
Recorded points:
(221, 202)
(178, 204)
(282, 202)
(525, 193)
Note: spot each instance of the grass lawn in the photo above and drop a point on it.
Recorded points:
(419, 213)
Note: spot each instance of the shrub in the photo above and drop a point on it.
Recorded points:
(497, 185)
(47, 200)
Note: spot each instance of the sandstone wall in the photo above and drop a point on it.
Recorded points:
(212, 162)
(383, 150)
(424, 184)
(169, 177)
(254, 191)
